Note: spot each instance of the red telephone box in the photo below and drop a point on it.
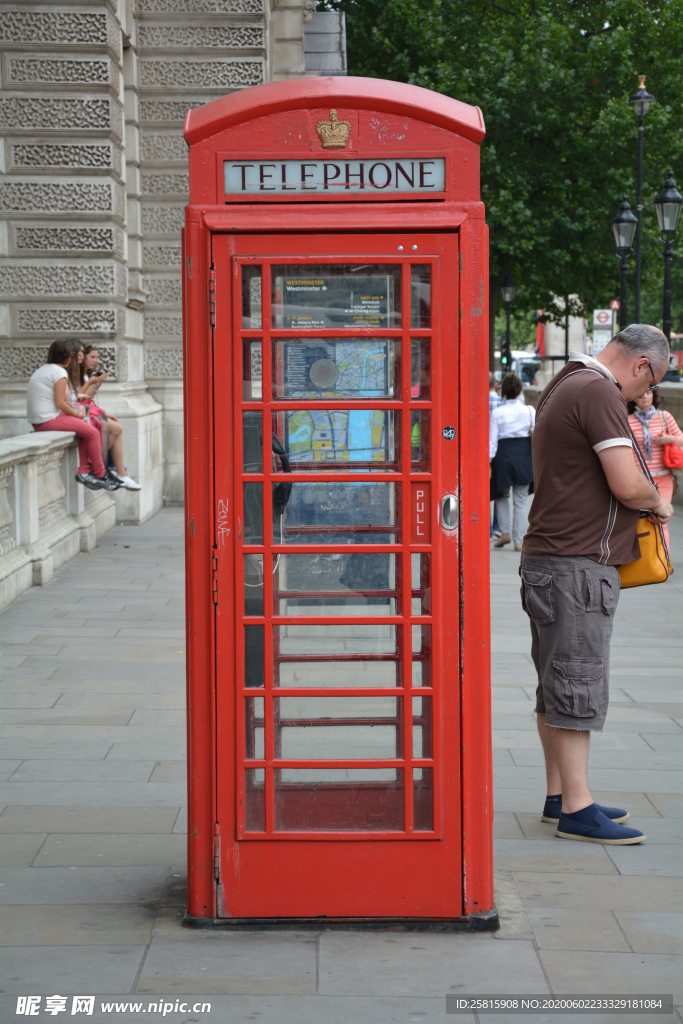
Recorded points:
(335, 294)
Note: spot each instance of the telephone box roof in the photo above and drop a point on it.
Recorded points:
(300, 93)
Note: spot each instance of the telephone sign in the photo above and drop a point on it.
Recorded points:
(335, 274)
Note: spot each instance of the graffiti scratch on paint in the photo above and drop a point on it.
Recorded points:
(223, 528)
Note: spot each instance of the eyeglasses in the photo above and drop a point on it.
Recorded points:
(653, 387)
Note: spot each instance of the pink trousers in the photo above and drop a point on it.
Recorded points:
(89, 441)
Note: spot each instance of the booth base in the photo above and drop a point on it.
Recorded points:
(473, 923)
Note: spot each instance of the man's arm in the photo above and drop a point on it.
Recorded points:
(630, 486)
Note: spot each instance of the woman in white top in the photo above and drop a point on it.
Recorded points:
(48, 408)
(510, 428)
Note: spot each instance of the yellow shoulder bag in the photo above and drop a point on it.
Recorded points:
(654, 564)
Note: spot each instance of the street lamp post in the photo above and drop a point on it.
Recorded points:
(641, 101)
(668, 205)
(624, 226)
(509, 289)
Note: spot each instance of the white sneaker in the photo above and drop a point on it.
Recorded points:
(129, 483)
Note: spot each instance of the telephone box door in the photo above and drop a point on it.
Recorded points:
(337, 641)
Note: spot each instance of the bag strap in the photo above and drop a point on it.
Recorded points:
(641, 458)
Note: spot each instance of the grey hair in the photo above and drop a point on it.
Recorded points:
(644, 340)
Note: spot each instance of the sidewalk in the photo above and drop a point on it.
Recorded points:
(93, 825)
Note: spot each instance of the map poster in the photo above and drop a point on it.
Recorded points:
(345, 300)
(348, 367)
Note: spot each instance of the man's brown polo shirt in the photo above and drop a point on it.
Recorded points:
(580, 413)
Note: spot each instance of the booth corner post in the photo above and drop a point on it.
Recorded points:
(199, 542)
(337, 523)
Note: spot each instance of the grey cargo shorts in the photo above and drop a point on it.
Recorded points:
(571, 604)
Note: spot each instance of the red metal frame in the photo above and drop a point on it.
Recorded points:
(437, 875)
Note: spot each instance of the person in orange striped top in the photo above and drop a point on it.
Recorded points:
(653, 429)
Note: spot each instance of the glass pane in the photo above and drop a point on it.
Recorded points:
(255, 802)
(336, 642)
(336, 584)
(252, 442)
(421, 603)
(339, 438)
(251, 298)
(423, 814)
(320, 368)
(254, 747)
(422, 655)
(422, 726)
(253, 513)
(421, 296)
(329, 728)
(252, 369)
(253, 584)
(340, 513)
(339, 799)
(253, 656)
(419, 440)
(351, 295)
(419, 368)
(338, 673)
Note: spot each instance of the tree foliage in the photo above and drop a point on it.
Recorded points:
(552, 78)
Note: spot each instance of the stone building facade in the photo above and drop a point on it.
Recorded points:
(93, 185)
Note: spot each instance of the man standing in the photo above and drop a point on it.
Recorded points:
(582, 525)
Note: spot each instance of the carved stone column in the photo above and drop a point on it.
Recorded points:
(191, 51)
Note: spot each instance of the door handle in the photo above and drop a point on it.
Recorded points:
(449, 512)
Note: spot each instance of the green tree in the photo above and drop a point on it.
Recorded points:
(552, 78)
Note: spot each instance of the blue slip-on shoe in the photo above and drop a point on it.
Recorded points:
(553, 806)
(590, 825)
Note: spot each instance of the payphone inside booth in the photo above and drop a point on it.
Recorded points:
(337, 509)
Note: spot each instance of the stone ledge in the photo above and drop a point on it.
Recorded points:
(45, 516)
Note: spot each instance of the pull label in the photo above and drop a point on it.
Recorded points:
(420, 515)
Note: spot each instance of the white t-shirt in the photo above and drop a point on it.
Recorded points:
(40, 393)
(510, 419)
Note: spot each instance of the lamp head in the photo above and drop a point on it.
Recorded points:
(668, 206)
(509, 289)
(624, 227)
(642, 100)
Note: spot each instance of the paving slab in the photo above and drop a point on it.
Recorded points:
(576, 971)
(170, 771)
(603, 892)
(600, 758)
(138, 885)
(506, 826)
(67, 969)
(652, 859)
(552, 855)
(78, 771)
(514, 921)
(423, 964)
(126, 794)
(29, 700)
(51, 751)
(669, 805)
(8, 768)
(597, 930)
(18, 849)
(102, 850)
(76, 819)
(652, 932)
(252, 964)
(123, 701)
(76, 925)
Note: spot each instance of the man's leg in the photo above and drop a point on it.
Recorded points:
(570, 748)
(552, 770)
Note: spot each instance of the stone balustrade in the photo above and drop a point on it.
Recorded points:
(45, 516)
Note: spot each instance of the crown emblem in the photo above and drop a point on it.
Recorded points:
(333, 134)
